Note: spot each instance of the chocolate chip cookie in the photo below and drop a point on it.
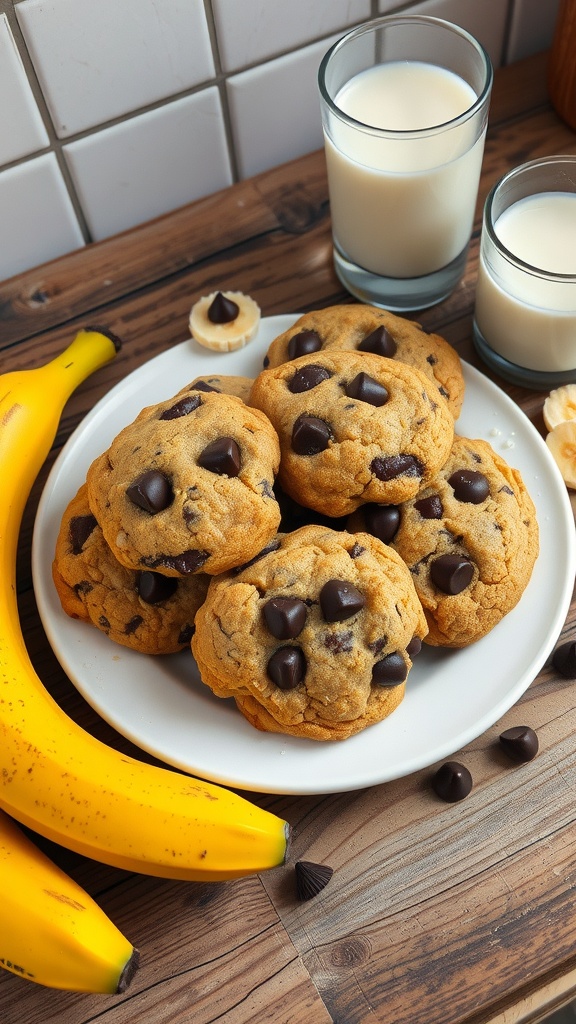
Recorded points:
(364, 328)
(470, 540)
(187, 487)
(142, 610)
(353, 427)
(316, 637)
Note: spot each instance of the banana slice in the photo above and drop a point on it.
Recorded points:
(224, 321)
(562, 443)
(559, 406)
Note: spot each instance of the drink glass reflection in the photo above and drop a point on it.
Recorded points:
(404, 103)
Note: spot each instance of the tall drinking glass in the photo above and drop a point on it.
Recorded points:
(404, 103)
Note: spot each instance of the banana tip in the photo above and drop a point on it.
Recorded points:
(128, 972)
(107, 334)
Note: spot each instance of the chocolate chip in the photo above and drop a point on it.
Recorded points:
(390, 671)
(469, 485)
(339, 643)
(451, 573)
(222, 310)
(308, 377)
(380, 342)
(185, 563)
(368, 390)
(430, 508)
(303, 344)
(311, 878)
(388, 467)
(356, 550)
(287, 667)
(185, 406)
(452, 782)
(520, 743)
(273, 545)
(151, 491)
(310, 435)
(132, 626)
(382, 521)
(340, 600)
(564, 659)
(185, 635)
(285, 617)
(414, 647)
(203, 385)
(221, 456)
(153, 588)
(80, 529)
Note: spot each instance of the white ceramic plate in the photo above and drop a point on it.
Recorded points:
(452, 696)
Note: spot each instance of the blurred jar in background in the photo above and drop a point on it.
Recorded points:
(562, 63)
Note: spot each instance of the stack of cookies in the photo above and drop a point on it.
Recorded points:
(304, 533)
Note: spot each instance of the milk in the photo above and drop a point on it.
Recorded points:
(528, 318)
(403, 206)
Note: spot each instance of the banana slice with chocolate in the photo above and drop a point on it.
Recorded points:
(224, 321)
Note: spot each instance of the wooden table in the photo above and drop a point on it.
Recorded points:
(436, 913)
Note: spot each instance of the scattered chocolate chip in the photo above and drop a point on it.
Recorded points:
(388, 467)
(222, 310)
(185, 635)
(368, 390)
(303, 344)
(451, 573)
(285, 617)
(506, 490)
(380, 342)
(310, 435)
(356, 550)
(80, 529)
(266, 362)
(104, 623)
(184, 407)
(469, 485)
(520, 743)
(84, 587)
(287, 667)
(185, 563)
(132, 626)
(564, 659)
(432, 359)
(203, 385)
(382, 521)
(308, 377)
(340, 600)
(339, 643)
(311, 878)
(390, 671)
(430, 507)
(414, 647)
(221, 456)
(377, 646)
(151, 491)
(452, 782)
(153, 588)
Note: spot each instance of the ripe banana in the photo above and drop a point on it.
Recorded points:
(56, 778)
(559, 413)
(51, 931)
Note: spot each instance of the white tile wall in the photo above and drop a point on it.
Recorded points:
(37, 218)
(149, 104)
(98, 60)
(150, 164)
(22, 130)
(250, 30)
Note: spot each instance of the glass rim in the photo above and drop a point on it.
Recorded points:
(409, 19)
(488, 220)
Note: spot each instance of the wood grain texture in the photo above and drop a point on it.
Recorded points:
(436, 913)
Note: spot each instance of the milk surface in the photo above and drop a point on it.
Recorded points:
(402, 207)
(531, 320)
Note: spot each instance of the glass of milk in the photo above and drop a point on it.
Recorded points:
(404, 103)
(525, 312)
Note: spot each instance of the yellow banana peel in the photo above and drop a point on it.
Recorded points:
(51, 931)
(55, 777)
